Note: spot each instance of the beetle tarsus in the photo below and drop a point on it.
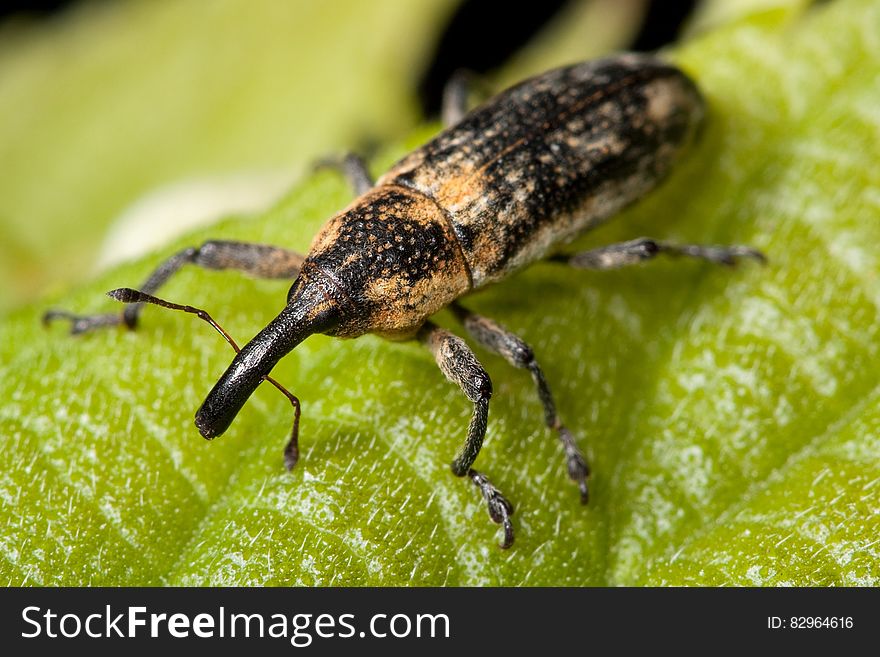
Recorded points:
(623, 254)
(578, 470)
(80, 324)
(500, 509)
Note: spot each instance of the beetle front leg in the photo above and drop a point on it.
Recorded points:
(258, 260)
(514, 350)
(639, 250)
(459, 364)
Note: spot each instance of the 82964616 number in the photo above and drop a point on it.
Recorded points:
(810, 622)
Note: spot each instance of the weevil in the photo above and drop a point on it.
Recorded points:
(502, 186)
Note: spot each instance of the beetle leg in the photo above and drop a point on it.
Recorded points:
(259, 260)
(353, 167)
(459, 364)
(457, 94)
(455, 98)
(622, 254)
(514, 350)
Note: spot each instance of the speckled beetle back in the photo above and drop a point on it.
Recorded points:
(553, 156)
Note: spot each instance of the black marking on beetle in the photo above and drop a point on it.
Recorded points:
(507, 185)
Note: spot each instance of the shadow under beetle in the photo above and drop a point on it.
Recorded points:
(501, 187)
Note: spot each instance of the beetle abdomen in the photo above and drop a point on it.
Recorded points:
(553, 156)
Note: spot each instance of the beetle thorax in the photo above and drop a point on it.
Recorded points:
(392, 260)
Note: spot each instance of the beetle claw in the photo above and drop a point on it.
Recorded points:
(578, 470)
(508, 534)
(500, 509)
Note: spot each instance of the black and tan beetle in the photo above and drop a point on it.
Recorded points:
(501, 187)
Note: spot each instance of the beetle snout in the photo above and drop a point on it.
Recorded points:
(206, 426)
(231, 392)
(307, 312)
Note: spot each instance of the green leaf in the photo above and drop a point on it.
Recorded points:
(731, 416)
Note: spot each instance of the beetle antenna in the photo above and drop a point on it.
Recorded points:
(129, 295)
